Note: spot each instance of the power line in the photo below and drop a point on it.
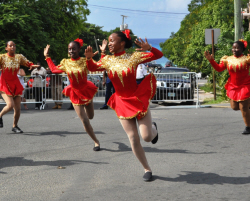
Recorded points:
(142, 11)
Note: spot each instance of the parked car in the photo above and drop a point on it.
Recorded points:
(178, 85)
(96, 79)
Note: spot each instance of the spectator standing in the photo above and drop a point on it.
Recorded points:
(109, 89)
(56, 88)
(21, 73)
(38, 86)
(141, 72)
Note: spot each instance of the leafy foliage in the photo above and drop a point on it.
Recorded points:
(187, 46)
(33, 24)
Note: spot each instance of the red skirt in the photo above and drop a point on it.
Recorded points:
(11, 87)
(137, 104)
(82, 95)
(238, 93)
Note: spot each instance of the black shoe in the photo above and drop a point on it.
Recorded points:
(16, 129)
(97, 148)
(1, 122)
(148, 176)
(104, 107)
(156, 137)
(246, 131)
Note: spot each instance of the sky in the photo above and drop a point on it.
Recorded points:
(151, 24)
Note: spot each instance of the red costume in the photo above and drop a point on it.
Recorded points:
(10, 65)
(129, 100)
(80, 91)
(238, 84)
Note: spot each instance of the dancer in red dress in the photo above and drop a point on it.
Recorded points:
(238, 84)
(10, 86)
(130, 101)
(80, 91)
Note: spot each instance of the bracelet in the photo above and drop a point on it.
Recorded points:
(89, 59)
(150, 48)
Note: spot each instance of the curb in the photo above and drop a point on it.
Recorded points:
(219, 106)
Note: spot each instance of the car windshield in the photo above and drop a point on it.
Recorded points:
(180, 73)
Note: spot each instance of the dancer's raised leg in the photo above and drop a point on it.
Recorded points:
(89, 109)
(147, 130)
(9, 104)
(17, 109)
(80, 110)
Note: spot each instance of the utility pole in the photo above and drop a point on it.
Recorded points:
(237, 19)
(123, 26)
(246, 13)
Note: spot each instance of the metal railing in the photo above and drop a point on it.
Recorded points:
(171, 87)
(176, 87)
(33, 91)
(60, 81)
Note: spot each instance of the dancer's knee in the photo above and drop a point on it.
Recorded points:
(235, 107)
(90, 116)
(146, 138)
(134, 140)
(10, 106)
(85, 121)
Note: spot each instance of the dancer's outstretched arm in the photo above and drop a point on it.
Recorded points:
(92, 66)
(218, 67)
(52, 66)
(103, 47)
(144, 46)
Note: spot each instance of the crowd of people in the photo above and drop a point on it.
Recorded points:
(129, 87)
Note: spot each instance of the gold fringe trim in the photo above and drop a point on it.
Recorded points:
(237, 100)
(87, 100)
(143, 114)
(2, 92)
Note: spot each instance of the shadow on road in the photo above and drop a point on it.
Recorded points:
(58, 133)
(21, 161)
(205, 178)
(123, 147)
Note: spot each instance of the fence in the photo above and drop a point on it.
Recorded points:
(171, 87)
(176, 87)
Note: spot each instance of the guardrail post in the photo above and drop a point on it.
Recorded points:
(198, 105)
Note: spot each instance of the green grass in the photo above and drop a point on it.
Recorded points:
(209, 88)
(219, 99)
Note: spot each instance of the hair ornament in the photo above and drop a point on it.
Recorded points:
(244, 42)
(127, 33)
(80, 41)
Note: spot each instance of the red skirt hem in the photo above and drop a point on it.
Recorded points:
(238, 93)
(136, 105)
(81, 96)
(11, 87)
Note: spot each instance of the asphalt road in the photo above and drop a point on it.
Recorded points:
(200, 155)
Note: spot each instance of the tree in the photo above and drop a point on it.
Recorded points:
(32, 24)
(186, 47)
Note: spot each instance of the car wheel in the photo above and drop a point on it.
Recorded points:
(189, 102)
(154, 101)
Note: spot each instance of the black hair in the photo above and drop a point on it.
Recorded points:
(6, 44)
(123, 37)
(78, 44)
(241, 44)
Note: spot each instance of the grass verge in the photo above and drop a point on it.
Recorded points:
(209, 88)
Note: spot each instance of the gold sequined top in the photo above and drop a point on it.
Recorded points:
(76, 69)
(12, 63)
(235, 63)
(121, 69)
(238, 68)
